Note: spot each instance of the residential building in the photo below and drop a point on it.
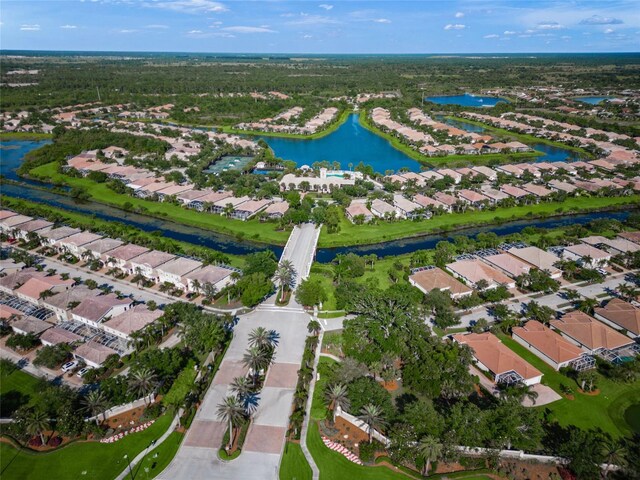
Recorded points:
(474, 271)
(538, 258)
(620, 315)
(134, 319)
(52, 237)
(590, 257)
(120, 257)
(147, 263)
(175, 270)
(217, 276)
(428, 279)
(507, 264)
(94, 310)
(75, 244)
(94, 354)
(382, 209)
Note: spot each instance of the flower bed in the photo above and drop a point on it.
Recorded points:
(139, 428)
(336, 447)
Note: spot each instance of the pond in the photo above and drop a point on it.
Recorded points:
(592, 100)
(466, 100)
(552, 153)
(12, 153)
(351, 144)
(632, 417)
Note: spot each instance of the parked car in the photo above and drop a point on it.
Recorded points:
(83, 371)
(67, 367)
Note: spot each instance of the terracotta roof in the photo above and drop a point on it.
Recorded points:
(60, 233)
(94, 352)
(103, 245)
(548, 342)
(78, 293)
(57, 335)
(497, 357)
(180, 266)
(536, 257)
(435, 278)
(127, 252)
(513, 266)
(134, 319)
(33, 287)
(6, 214)
(96, 308)
(633, 236)
(30, 324)
(14, 221)
(209, 274)
(621, 313)
(584, 250)
(589, 332)
(152, 259)
(35, 225)
(80, 239)
(277, 207)
(475, 270)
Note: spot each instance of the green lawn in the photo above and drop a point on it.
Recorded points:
(351, 234)
(24, 136)
(250, 230)
(603, 411)
(159, 458)
(181, 386)
(90, 460)
(294, 465)
(318, 408)
(15, 390)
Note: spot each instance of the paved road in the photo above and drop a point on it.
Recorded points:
(260, 458)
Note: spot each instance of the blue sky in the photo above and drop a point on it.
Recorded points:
(345, 26)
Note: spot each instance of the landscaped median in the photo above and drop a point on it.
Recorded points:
(82, 459)
(384, 231)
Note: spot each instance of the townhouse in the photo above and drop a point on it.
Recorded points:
(431, 278)
(474, 271)
(175, 271)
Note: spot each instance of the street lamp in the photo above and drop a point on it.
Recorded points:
(126, 457)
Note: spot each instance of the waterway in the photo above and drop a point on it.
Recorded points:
(466, 100)
(350, 143)
(592, 100)
(231, 245)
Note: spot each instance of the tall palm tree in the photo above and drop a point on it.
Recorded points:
(95, 403)
(255, 359)
(587, 305)
(614, 452)
(37, 423)
(372, 416)
(285, 275)
(243, 389)
(231, 411)
(142, 382)
(314, 327)
(336, 396)
(264, 339)
(429, 449)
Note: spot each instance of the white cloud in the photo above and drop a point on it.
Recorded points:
(30, 28)
(68, 27)
(312, 20)
(246, 29)
(459, 15)
(493, 35)
(127, 30)
(609, 30)
(598, 20)
(549, 26)
(326, 6)
(194, 32)
(157, 27)
(454, 26)
(307, 36)
(381, 20)
(189, 6)
(509, 32)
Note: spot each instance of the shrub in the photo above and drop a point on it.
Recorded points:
(367, 451)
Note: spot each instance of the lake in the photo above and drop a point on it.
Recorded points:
(466, 100)
(351, 143)
(591, 100)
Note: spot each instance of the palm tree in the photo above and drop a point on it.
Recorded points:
(587, 305)
(371, 415)
(263, 339)
(429, 449)
(285, 275)
(255, 359)
(37, 423)
(142, 382)
(95, 403)
(314, 327)
(628, 292)
(336, 396)
(614, 452)
(231, 411)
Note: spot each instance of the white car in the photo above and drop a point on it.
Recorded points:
(67, 367)
(83, 371)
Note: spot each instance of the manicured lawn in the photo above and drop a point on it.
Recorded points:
(181, 386)
(24, 136)
(159, 458)
(15, 390)
(603, 411)
(90, 460)
(351, 234)
(249, 230)
(294, 465)
(318, 408)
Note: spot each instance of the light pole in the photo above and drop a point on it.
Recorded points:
(126, 457)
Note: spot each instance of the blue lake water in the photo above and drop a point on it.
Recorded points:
(591, 100)
(11, 154)
(350, 143)
(466, 100)
(551, 153)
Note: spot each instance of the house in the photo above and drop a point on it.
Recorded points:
(134, 319)
(614, 246)
(449, 200)
(633, 236)
(380, 208)
(189, 196)
(11, 223)
(447, 172)
(473, 198)
(620, 315)
(100, 248)
(358, 207)
(52, 237)
(486, 171)
(404, 206)
(492, 356)
(431, 175)
(538, 258)
(6, 214)
(537, 190)
(32, 289)
(510, 170)
(120, 257)
(507, 264)
(248, 209)
(94, 310)
(430, 203)
(94, 354)
(56, 335)
(146, 263)
(561, 186)
(513, 191)
(13, 280)
(494, 195)
(592, 336)
(434, 278)
(217, 276)
(228, 202)
(74, 244)
(474, 271)
(173, 190)
(36, 227)
(26, 324)
(277, 209)
(587, 255)
(207, 201)
(63, 301)
(175, 270)
(551, 347)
